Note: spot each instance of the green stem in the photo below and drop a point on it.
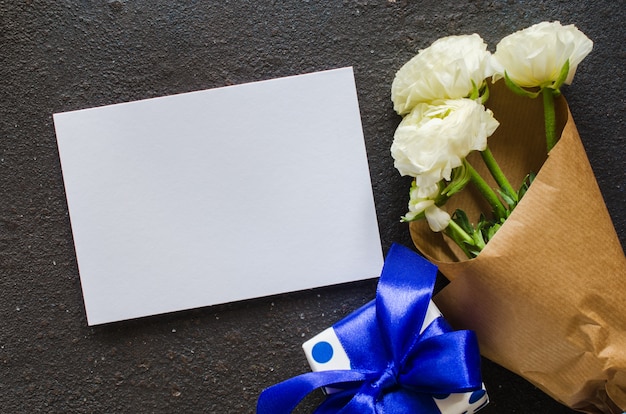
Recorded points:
(549, 117)
(460, 237)
(496, 172)
(458, 230)
(487, 192)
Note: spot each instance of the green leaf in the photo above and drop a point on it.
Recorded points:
(562, 77)
(461, 219)
(510, 199)
(475, 92)
(528, 180)
(460, 177)
(484, 93)
(517, 89)
(487, 229)
(491, 231)
(473, 252)
(482, 222)
(479, 241)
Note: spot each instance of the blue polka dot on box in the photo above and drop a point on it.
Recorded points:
(325, 352)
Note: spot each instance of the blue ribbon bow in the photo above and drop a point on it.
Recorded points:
(397, 369)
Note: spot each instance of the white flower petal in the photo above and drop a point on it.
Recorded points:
(434, 139)
(420, 206)
(535, 56)
(448, 69)
(437, 218)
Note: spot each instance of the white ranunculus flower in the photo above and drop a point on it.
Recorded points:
(535, 56)
(435, 138)
(444, 70)
(423, 201)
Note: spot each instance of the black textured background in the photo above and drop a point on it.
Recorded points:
(71, 54)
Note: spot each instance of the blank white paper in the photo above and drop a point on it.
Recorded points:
(219, 195)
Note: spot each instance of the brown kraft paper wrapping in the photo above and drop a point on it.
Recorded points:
(547, 296)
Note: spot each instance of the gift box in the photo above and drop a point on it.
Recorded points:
(547, 295)
(326, 351)
(395, 354)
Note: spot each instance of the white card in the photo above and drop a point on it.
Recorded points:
(220, 195)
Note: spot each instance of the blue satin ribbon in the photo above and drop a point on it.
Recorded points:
(395, 369)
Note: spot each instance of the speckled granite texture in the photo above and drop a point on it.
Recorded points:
(70, 54)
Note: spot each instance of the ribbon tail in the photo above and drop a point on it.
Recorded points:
(285, 396)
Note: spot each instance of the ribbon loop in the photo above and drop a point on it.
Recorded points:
(404, 365)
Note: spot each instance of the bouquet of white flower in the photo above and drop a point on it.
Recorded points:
(544, 304)
(441, 92)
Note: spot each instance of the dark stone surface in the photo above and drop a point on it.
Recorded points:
(71, 54)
